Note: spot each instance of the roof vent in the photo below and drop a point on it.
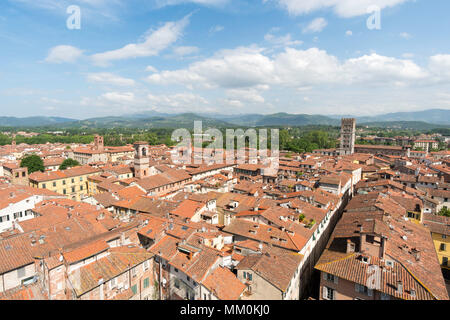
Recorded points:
(416, 254)
(400, 287)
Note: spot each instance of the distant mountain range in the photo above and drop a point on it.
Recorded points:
(32, 121)
(427, 119)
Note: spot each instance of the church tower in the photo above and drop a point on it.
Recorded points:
(98, 142)
(141, 160)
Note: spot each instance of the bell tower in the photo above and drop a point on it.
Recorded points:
(141, 160)
(348, 136)
(98, 141)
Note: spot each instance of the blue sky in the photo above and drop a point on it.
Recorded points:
(224, 56)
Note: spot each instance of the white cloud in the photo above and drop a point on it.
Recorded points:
(380, 69)
(440, 66)
(185, 51)
(245, 68)
(217, 28)
(155, 41)
(405, 35)
(245, 95)
(349, 33)
(408, 55)
(163, 3)
(110, 78)
(241, 67)
(179, 102)
(151, 69)
(343, 8)
(317, 25)
(63, 54)
(282, 40)
(119, 97)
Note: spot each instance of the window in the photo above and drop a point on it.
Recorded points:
(113, 283)
(134, 289)
(43, 185)
(64, 191)
(248, 276)
(363, 289)
(328, 293)
(385, 296)
(330, 277)
(64, 182)
(73, 180)
(146, 283)
(177, 283)
(133, 272)
(145, 265)
(54, 184)
(443, 247)
(81, 178)
(444, 236)
(445, 261)
(73, 189)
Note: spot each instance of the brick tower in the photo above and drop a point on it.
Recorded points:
(141, 160)
(348, 136)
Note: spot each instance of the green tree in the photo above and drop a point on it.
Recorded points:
(33, 163)
(444, 212)
(69, 163)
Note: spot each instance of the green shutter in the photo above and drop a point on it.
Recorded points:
(134, 289)
(146, 282)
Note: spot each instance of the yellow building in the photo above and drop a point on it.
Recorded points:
(440, 232)
(72, 182)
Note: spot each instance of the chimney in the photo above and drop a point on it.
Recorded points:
(416, 254)
(350, 246)
(400, 287)
(383, 247)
